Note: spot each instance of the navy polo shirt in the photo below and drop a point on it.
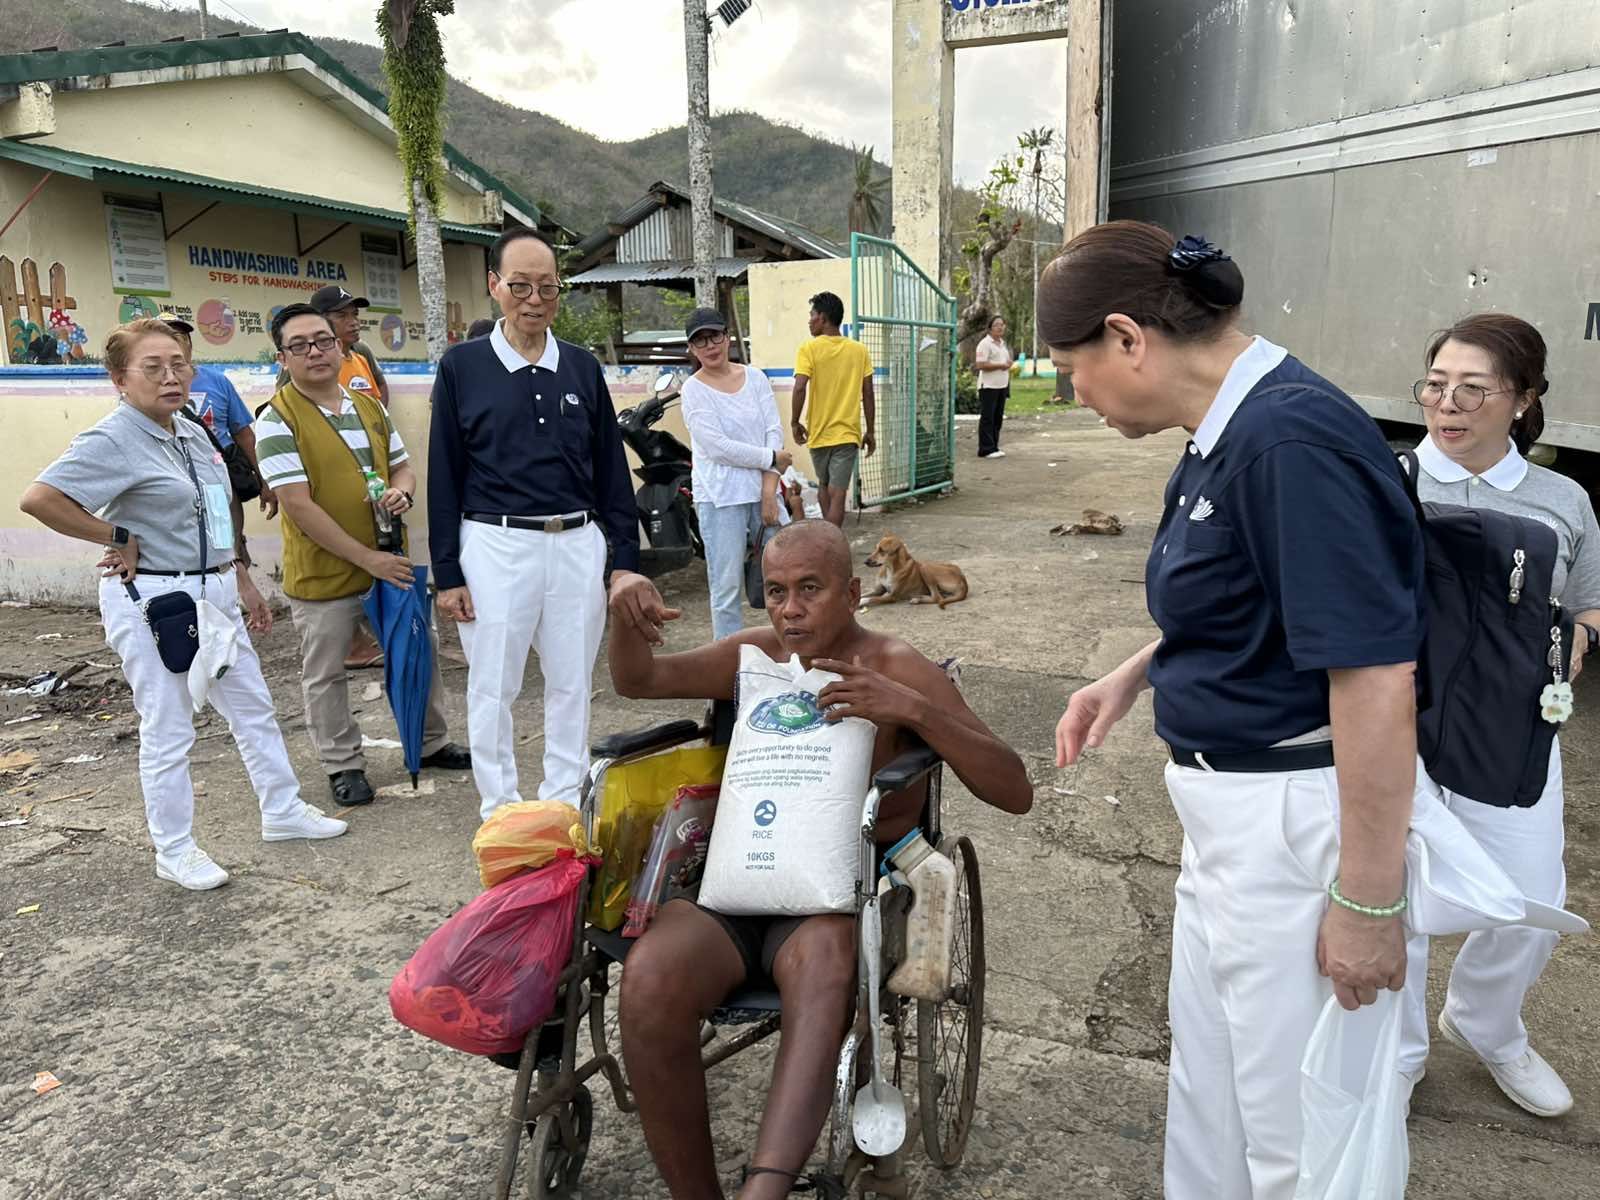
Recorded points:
(1287, 547)
(514, 438)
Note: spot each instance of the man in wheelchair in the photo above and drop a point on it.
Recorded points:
(691, 959)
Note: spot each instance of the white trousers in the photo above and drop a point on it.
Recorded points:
(166, 714)
(543, 591)
(1258, 854)
(1495, 967)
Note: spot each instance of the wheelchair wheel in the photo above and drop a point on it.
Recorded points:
(554, 1164)
(950, 1032)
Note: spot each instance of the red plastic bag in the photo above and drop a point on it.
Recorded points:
(488, 975)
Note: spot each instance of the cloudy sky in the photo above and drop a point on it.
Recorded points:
(615, 67)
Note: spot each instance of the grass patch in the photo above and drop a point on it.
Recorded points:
(1030, 394)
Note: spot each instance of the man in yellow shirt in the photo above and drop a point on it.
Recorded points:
(835, 373)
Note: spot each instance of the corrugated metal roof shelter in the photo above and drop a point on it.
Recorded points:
(652, 244)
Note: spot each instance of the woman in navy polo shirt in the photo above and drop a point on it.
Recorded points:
(1286, 581)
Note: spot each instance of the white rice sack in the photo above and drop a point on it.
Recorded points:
(787, 835)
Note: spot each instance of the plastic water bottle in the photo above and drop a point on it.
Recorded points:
(931, 923)
(375, 490)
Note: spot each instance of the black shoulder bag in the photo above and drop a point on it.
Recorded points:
(1496, 639)
(242, 476)
(173, 617)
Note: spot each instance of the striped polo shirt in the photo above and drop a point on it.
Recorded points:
(279, 457)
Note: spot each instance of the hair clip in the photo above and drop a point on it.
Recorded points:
(1206, 272)
(1192, 252)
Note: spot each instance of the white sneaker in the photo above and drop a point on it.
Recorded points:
(309, 822)
(192, 869)
(1529, 1081)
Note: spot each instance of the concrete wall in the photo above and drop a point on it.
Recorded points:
(66, 223)
(780, 305)
(925, 36)
(257, 129)
(43, 407)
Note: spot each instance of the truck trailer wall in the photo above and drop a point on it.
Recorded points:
(1378, 169)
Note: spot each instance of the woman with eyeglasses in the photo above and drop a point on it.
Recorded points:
(737, 440)
(1483, 402)
(162, 496)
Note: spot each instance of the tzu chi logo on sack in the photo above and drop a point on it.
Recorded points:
(791, 713)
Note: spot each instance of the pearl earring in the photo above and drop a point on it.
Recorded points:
(1519, 414)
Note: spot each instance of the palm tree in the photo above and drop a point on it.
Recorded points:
(413, 63)
(867, 198)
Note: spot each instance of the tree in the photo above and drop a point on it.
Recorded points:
(703, 222)
(997, 225)
(413, 64)
(869, 193)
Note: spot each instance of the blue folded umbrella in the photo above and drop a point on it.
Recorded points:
(401, 617)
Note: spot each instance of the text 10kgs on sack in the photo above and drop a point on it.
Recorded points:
(787, 835)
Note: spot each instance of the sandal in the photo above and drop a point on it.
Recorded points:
(827, 1187)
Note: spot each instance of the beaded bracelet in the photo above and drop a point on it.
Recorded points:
(1367, 910)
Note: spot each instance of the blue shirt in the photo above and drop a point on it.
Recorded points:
(1287, 547)
(216, 402)
(515, 438)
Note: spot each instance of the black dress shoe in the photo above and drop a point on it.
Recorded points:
(450, 757)
(350, 788)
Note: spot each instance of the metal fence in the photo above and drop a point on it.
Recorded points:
(908, 325)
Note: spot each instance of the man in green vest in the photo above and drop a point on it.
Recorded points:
(315, 443)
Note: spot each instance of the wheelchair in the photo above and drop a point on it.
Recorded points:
(548, 1126)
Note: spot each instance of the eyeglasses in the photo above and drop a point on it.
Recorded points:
(547, 291)
(325, 343)
(1468, 397)
(156, 372)
(708, 337)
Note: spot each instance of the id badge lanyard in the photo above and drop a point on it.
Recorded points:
(210, 501)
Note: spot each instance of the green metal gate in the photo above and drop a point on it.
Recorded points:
(908, 324)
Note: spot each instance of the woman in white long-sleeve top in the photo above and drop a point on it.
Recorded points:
(163, 498)
(1482, 399)
(737, 440)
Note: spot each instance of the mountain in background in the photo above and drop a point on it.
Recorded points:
(581, 179)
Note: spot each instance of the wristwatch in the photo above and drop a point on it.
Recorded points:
(1594, 636)
(120, 537)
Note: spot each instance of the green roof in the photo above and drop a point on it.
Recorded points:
(111, 171)
(157, 56)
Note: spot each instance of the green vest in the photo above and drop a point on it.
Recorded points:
(338, 487)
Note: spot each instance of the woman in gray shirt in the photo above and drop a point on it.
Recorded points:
(1482, 400)
(166, 521)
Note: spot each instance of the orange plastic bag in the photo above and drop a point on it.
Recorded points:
(525, 836)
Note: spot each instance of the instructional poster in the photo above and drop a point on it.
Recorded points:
(380, 261)
(138, 242)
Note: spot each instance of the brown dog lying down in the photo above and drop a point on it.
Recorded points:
(901, 577)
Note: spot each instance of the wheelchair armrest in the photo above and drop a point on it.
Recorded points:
(641, 741)
(903, 771)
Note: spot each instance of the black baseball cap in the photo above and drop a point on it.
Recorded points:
(333, 297)
(703, 318)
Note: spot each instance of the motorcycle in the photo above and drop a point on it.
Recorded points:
(665, 497)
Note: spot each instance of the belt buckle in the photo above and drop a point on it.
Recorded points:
(554, 525)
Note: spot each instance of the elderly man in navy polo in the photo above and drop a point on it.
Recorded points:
(527, 485)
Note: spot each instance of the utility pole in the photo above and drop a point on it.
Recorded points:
(1038, 167)
(697, 57)
(205, 20)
